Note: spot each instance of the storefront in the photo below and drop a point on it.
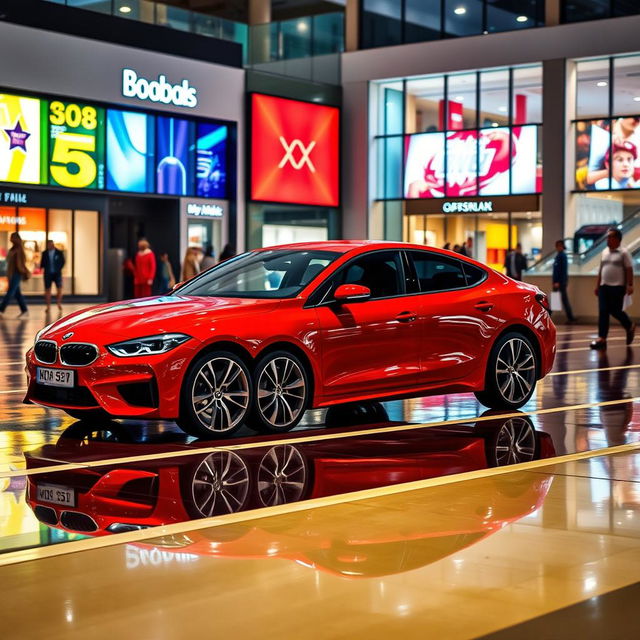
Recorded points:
(458, 161)
(294, 171)
(144, 145)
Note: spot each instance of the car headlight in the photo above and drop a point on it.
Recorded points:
(42, 332)
(151, 345)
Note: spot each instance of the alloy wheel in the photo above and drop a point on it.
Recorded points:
(220, 394)
(515, 443)
(281, 392)
(282, 476)
(515, 370)
(220, 484)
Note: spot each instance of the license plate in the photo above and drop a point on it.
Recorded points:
(55, 377)
(56, 494)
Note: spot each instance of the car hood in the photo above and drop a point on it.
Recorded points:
(148, 316)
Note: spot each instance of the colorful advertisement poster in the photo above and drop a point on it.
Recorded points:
(20, 139)
(211, 160)
(76, 145)
(608, 154)
(295, 151)
(130, 151)
(174, 166)
(476, 163)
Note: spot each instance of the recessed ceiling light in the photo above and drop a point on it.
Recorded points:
(495, 124)
(460, 11)
(125, 9)
(602, 83)
(302, 27)
(521, 19)
(459, 98)
(636, 99)
(503, 109)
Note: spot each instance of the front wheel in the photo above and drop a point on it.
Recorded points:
(511, 373)
(281, 392)
(215, 396)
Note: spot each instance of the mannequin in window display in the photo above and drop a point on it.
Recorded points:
(144, 270)
(622, 160)
(624, 130)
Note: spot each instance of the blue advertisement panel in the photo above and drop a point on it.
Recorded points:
(211, 161)
(174, 168)
(130, 151)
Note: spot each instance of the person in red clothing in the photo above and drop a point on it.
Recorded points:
(144, 270)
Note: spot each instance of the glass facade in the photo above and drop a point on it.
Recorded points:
(390, 22)
(581, 10)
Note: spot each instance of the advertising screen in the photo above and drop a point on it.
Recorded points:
(174, 165)
(608, 154)
(295, 151)
(211, 160)
(130, 151)
(76, 145)
(20, 139)
(476, 163)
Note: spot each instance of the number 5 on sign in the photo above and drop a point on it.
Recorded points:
(74, 167)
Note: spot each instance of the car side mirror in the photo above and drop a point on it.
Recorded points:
(351, 293)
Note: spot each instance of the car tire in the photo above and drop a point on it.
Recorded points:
(511, 374)
(509, 441)
(216, 395)
(281, 392)
(283, 476)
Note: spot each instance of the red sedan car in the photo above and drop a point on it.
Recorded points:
(263, 337)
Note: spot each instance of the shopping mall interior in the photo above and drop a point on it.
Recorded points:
(430, 430)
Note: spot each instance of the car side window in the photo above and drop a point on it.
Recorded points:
(475, 275)
(437, 273)
(380, 271)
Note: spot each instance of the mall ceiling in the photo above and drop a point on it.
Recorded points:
(239, 9)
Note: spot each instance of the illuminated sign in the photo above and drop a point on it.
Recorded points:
(295, 151)
(180, 95)
(76, 149)
(14, 197)
(206, 210)
(467, 207)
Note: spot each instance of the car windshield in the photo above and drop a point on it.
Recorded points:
(279, 273)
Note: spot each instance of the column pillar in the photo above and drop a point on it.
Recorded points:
(552, 13)
(352, 25)
(259, 12)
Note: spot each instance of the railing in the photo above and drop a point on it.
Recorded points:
(318, 40)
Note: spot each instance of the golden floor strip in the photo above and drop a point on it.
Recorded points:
(148, 536)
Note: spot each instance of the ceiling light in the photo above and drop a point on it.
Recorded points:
(302, 27)
(636, 99)
(125, 9)
(459, 98)
(602, 83)
(495, 124)
(460, 11)
(521, 19)
(503, 109)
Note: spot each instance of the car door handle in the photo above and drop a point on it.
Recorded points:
(483, 306)
(406, 316)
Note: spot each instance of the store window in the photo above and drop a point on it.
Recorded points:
(461, 101)
(592, 88)
(422, 20)
(581, 10)
(494, 98)
(425, 105)
(381, 23)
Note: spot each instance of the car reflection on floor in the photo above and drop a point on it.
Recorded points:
(164, 490)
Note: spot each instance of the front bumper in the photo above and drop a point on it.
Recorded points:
(145, 386)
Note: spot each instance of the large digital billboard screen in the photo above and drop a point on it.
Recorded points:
(211, 160)
(130, 151)
(174, 164)
(76, 145)
(295, 151)
(495, 161)
(20, 139)
(608, 154)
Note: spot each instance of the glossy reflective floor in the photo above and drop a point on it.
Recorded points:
(369, 520)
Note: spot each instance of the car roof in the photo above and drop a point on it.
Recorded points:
(344, 246)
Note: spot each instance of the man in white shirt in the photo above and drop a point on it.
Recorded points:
(615, 280)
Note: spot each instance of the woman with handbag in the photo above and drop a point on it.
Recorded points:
(16, 272)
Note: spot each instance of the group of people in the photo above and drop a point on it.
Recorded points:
(52, 262)
(463, 249)
(144, 268)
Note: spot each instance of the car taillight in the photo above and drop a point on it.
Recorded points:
(543, 300)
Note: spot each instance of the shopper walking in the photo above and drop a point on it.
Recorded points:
(16, 272)
(209, 259)
(561, 279)
(615, 279)
(144, 270)
(190, 264)
(167, 279)
(227, 252)
(515, 263)
(52, 263)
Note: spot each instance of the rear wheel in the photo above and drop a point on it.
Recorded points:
(215, 395)
(281, 392)
(510, 379)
